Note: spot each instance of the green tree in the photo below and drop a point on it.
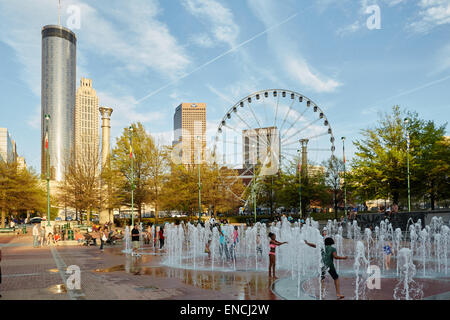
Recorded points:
(334, 167)
(379, 166)
(143, 148)
(81, 185)
(20, 190)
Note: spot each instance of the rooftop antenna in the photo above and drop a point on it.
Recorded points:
(59, 12)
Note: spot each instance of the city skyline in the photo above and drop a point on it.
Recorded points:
(405, 62)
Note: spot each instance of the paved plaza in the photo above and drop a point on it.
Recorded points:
(39, 273)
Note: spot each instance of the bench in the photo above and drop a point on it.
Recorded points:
(7, 230)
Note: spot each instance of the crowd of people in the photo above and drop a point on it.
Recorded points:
(44, 235)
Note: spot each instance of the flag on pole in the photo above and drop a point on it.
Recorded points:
(46, 140)
(299, 166)
(407, 141)
(131, 152)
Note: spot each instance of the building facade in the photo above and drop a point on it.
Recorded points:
(58, 85)
(8, 151)
(189, 125)
(262, 146)
(86, 122)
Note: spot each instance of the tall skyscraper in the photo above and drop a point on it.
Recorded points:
(58, 85)
(189, 125)
(262, 146)
(7, 146)
(86, 122)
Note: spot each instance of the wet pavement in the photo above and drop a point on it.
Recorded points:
(40, 273)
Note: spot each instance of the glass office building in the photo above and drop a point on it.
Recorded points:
(58, 86)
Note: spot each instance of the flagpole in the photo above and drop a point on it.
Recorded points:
(132, 177)
(47, 118)
(406, 121)
(299, 184)
(345, 173)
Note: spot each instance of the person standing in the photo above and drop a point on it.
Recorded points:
(0, 269)
(388, 252)
(103, 237)
(42, 235)
(161, 237)
(35, 236)
(272, 260)
(135, 239)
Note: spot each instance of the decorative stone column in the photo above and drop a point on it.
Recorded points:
(106, 215)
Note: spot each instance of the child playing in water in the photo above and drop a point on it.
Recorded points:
(328, 254)
(208, 249)
(272, 245)
(387, 250)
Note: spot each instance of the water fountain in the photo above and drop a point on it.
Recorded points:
(407, 288)
(361, 263)
(127, 238)
(301, 264)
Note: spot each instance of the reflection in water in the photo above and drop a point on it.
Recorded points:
(58, 288)
(243, 285)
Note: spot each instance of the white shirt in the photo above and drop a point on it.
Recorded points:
(35, 230)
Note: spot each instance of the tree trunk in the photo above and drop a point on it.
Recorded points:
(3, 218)
(395, 197)
(89, 217)
(335, 204)
(432, 197)
(140, 213)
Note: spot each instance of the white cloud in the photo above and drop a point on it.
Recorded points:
(301, 71)
(443, 61)
(432, 13)
(220, 18)
(203, 40)
(352, 28)
(34, 120)
(290, 56)
(131, 34)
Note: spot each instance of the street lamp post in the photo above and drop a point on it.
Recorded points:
(345, 173)
(199, 184)
(47, 118)
(132, 176)
(406, 121)
(299, 184)
(254, 185)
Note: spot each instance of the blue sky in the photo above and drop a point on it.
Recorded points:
(145, 57)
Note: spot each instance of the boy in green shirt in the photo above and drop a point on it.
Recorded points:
(328, 255)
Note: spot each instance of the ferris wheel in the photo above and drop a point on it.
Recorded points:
(271, 130)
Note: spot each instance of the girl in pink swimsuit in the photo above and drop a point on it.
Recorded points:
(272, 245)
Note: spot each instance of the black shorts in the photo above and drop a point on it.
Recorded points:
(331, 271)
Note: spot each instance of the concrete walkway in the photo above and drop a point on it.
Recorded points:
(40, 273)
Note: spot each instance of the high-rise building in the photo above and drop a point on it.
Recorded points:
(86, 122)
(58, 85)
(189, 125)
(21, 163)
(7, 146)
(261, 146)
